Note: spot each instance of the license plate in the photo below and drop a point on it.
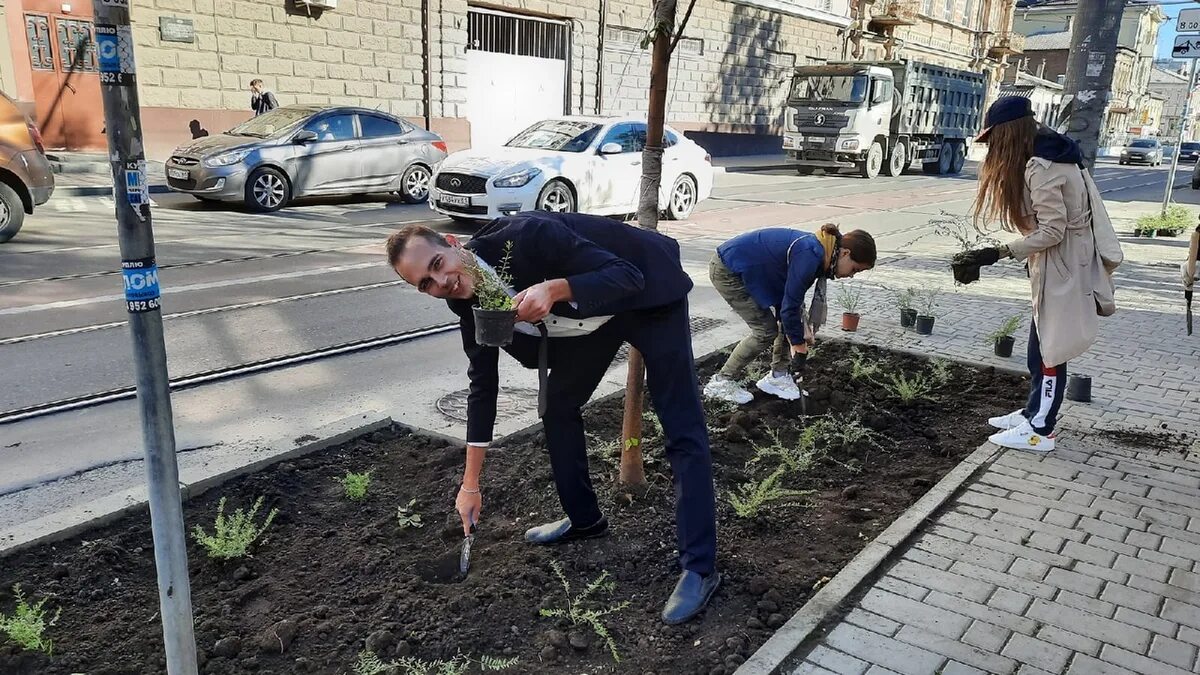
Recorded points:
(455, 200)
(791, 141)
(180, 174)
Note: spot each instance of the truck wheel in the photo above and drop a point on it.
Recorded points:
(805, 170)
(958, 159)
(898, 161)
(12, 212)
(870, 167)
(945, 158)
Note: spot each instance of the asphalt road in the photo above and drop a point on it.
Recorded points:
(241, 287)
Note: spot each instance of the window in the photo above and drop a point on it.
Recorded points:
(968, 14)
(630, 135)
(379, 127)
(927, 7)
(332, 128)
(669, 138)
(557, 135)
(948, 11)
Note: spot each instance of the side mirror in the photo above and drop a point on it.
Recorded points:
(610, 149)
(304, 136)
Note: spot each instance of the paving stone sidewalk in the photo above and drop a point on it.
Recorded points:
(1085, 561)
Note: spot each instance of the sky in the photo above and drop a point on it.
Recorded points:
(1166, 32)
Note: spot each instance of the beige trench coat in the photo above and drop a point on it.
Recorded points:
(1071, 257)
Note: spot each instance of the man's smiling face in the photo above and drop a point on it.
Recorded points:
(440, 271)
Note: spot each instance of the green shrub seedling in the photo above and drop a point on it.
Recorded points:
(27, 625)
(356, 485)
(590, 617)
(753, 496)
(406, 516)
(369, 663)
(492, 292)
(233, 536)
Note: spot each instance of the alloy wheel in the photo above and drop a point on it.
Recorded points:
(416, 184)
(269, 190)
(556, 199)
(684, 197)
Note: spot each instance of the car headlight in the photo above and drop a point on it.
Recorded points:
(226, 159)
(518, 179)
(850, 144)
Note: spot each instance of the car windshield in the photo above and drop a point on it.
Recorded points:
(557, 135)
(845, 89)
(269, 124)
(1142, 144)
(1190, 146)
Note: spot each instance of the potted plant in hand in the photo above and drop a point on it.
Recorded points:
(849, 296)
(928, 303)
(493, 311)
(908, 313)
(1002, 338)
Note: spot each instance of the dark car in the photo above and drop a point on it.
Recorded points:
(302, 151)
(1189, 152)
(26, 180)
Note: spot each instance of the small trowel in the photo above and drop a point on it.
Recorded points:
(464, 558)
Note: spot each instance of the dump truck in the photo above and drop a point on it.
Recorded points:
(874, 116)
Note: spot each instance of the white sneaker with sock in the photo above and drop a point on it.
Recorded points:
(1023, 438)
(725, 389)
(782, 386)
(1009, 421)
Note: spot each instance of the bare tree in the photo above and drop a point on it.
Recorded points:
(664, 36)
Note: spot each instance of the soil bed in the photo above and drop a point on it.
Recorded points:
(331, 576)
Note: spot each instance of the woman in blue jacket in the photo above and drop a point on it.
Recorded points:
(764, 276)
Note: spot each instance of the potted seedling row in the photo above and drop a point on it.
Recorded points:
(1002, 338)
(493, 311)
(928, 305)
(904, 302)
(849, 297)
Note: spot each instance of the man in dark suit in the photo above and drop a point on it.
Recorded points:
(593, 283)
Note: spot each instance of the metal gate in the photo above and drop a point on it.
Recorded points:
(518, 72)
(66, 80)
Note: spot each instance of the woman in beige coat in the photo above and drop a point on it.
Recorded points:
(1033, 182)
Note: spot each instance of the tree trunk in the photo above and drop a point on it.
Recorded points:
(633, 474)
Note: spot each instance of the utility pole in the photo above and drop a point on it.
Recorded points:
(1187, 111)
(122, 116)
(1090, 70)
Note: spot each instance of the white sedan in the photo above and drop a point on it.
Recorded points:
(570, 164)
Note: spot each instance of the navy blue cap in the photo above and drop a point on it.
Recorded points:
(1005, 109)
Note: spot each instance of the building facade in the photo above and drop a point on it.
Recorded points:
(1131, 107)
(1045, 97)
(476, 73)
(1172, 86)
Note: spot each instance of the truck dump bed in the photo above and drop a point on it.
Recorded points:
(938, 101)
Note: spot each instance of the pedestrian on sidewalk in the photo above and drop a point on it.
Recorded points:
(1033, 183)
(765, 275)
(261, 99)
(593, 283)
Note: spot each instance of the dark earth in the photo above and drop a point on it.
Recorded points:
(332, 576)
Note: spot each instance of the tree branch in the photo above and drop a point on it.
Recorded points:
(679, 33)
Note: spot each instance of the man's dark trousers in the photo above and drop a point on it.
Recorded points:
(577, 365)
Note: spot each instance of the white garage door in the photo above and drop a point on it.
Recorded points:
(516, 73)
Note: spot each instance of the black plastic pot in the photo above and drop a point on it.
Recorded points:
(925, 325)
(1079, 388)
(494, 327)
(1004, 346)
(908, 317)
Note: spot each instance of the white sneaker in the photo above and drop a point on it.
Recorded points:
(1009, 421)
(726, 389)
(782, 386)
(1023, 438)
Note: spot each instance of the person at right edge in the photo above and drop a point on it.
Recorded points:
(1033, 182)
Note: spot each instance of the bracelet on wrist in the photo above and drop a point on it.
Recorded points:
(468, 490)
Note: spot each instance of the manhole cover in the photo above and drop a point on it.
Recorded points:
(510, 402)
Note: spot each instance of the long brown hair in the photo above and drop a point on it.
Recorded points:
(1001, 195)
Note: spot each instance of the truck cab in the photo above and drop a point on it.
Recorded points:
(838, 115)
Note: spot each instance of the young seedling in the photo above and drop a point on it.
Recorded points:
(369, 663)
(406, 516)
(906, 298)
(942, 371)
(754, 496)
(590, 617)
(962, 231)
(1006, 329)
(356, 485)
(27, 625)
(927, 300)
(1177, 219)
(908, 389)
(233, 536)
(862, 366)
(491, 292)
(849, 297)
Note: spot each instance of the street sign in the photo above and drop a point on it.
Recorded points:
(1189, 21)
(1186, 47)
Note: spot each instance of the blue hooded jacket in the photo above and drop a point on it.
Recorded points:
(778, 266)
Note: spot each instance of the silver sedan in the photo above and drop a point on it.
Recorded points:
(305, 151)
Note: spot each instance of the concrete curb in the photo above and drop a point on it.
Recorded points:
(776, 654)
(69, 522)
(752, 168)
(100, 190)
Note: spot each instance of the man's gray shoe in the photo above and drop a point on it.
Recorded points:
(562, 531)
(692, 592)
